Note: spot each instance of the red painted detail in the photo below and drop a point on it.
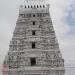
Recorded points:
(3, 69)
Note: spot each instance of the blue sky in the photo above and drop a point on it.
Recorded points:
(70, 18)
(63, 17)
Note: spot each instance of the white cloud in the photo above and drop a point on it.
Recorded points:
(59, 11)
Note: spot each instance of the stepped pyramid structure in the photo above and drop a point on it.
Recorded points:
(34, 49)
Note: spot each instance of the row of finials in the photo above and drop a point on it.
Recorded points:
(38, 6)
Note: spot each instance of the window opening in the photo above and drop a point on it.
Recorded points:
(25, 6)
(37, 6)
(28, 6)
(33, 61)
(33, 32)
(33, 45)
(33, 22)
(31, 6)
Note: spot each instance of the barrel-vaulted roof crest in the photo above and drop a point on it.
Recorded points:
(34, 1)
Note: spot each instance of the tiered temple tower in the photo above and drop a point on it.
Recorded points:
(34, 49)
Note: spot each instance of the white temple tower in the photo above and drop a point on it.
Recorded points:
(34, 49)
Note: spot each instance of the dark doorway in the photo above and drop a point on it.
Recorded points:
(33, 32)
(33, 61)
(33, 22)
(33, 45)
